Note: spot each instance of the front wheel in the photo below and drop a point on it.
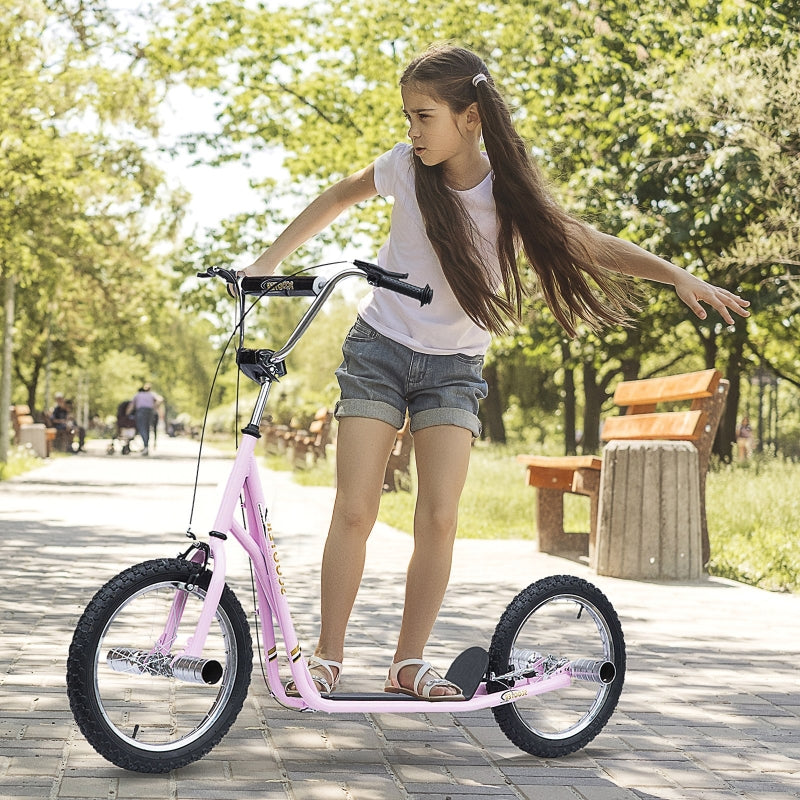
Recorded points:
(135, 704)
(549, 625)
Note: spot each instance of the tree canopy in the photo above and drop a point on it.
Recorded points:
(677, 131)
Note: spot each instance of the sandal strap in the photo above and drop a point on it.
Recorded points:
(425, 667)
(433, 683)
(394, 670)
(327, 684)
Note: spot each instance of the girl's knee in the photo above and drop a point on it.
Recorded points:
(353, 520)
(436, 524)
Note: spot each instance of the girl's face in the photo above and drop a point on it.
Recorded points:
(437, 134)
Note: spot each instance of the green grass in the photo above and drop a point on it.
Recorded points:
(753, 512)
(754, 521)
(20, 460)
(495, 503)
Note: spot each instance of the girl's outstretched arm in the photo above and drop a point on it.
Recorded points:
(632, 260)
(314, 218)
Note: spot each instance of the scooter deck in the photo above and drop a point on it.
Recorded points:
(467, 671)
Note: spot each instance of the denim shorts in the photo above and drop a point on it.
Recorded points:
(381, 379)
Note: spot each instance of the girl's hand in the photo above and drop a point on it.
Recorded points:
(694, 291)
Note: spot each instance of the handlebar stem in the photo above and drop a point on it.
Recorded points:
(325, 290)
(259, 407)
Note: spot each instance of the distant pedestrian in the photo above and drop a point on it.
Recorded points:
(145, 404)
(744, 439)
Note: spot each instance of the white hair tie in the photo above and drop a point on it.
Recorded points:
(479, 78)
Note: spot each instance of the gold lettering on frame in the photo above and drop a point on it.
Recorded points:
(267, 526)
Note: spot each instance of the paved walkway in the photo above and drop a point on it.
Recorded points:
(711, 707)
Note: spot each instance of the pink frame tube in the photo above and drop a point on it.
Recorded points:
(273, 608)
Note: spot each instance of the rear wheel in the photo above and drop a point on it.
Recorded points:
(552, 622)
(141, 709)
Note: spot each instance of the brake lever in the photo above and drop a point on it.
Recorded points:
(212, 272)
(368, 267)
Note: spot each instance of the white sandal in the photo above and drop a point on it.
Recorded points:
(393, 686)
(326, 683)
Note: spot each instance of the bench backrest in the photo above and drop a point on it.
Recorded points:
(321, 423)
(706, 391)
(643, 396)
(20, 415)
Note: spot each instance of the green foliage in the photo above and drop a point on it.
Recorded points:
(753, 519)
(81, 206)
(495, 503)
(677, 131)
(635, 113)
(19, 461)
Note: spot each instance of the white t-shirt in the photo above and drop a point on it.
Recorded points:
(442, 327)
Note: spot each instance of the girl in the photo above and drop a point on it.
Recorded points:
(460, 218)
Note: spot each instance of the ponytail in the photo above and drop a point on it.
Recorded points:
(560, 249)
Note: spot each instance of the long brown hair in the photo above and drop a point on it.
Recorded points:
(557, 246)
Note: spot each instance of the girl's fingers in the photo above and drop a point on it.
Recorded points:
(720, 299)
(725, 302)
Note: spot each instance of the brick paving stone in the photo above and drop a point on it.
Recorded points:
(690, 777)
(755, 794)
(255, 769)
(605, 793)
(547, 793)
(682, 794)
(87, 787)
(636, 774)
(256, 791)
(33, 765)
(143, 786)
(688, 726)
(453, 790)
(487, 775)
(763, 784)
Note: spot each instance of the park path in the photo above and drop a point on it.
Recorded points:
(711, 707)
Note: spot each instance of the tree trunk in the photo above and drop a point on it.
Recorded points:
(570, 413)
(631, 368)
(31, 382)
(493, 407)
(726, 434)
(593, 401)
(8, 354)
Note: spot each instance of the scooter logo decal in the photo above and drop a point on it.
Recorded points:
(267, 526)
(514, 694)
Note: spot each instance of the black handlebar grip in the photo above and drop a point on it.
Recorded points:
(422, 293)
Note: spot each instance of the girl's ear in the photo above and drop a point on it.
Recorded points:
(472, 117)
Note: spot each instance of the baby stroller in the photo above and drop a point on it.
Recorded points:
(126, 429)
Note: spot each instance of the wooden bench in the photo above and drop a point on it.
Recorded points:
(398, 467)
(20, 415)
(22, 420)
(275, 436)
(311, 445)
(706, 392)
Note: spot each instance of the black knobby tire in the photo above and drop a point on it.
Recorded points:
(568, 618)
(141, 721)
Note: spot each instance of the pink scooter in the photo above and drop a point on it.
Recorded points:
(160, 661)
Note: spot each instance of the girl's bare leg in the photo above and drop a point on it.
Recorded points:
(442, 456)
(362, 450)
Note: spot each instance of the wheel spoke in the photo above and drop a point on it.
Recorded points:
(548, 626)
(136, 704)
